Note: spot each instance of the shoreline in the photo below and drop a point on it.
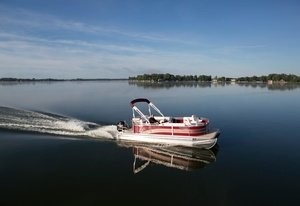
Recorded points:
(58, 80)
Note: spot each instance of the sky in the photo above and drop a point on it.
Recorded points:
(122, 38)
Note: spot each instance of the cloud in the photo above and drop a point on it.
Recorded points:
(70, 58)
(41, 46)
(233, 49)
(27, 48)
(13, 40)
(30, 22)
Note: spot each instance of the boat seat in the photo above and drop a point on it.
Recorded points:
(164, 121)
(194, 120)
(137, 120)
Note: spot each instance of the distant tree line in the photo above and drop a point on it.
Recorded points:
(53, 80)
(204, 78)
(179, 78)
(28, 80)
(170, 77)
(273, 77)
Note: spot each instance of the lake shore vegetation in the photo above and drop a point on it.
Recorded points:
(167, 77)
(208, 78)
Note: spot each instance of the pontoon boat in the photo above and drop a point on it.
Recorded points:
(189, 131)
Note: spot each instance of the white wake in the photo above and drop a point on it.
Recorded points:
(48, 123)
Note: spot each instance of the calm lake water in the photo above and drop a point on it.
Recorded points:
(44, 162)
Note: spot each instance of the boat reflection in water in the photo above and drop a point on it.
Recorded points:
(183, 158)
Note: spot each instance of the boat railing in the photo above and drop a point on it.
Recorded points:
(142, 115)
(135, 109)
(156, 109)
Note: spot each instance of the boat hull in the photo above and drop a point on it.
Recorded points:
(171, 130)
(206, 141)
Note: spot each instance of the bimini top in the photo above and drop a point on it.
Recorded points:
(150, 104)
(139, 100)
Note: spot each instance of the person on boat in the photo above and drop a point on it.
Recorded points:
(152, 120)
